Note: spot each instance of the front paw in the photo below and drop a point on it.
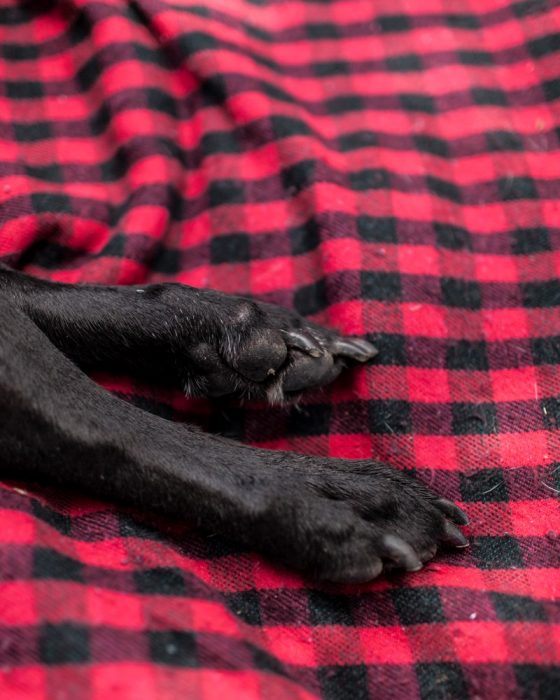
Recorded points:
(348, 521)
(263, 350)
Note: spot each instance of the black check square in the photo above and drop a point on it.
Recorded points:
(452, 237)
(381, 286)
(357, 139)
(431, 144)
(511, 188)
(393, 23)
(443, 188)
(231, 248)
(489, 96)
(305, 238)
(330, 609)
(326, 68)
(404, 63)
(335, 682)
(504, 141)
(370, 179)
(23, 89)
(160, 581)
(50, 202)
(220, 142)
(33, 131)
(173, 648)
(322, 30)
(345, 103)
(539, 681)
(299, 176)
(392, 348)
(485, 485)
(417, 606)
(441, 681)
(497, 552)
(168, 261)
(527, 241)
(64, 643)
(377, 230)
(461, 293)
(462, 21)
(226, 192)
(475, 58)
(416, 102)
(245, 605)
(191, 42)
(541, 294)
(474, 419)
(514, 608)
(551, 89)
(50, 564)
(546, 351)
(310, 420)
(310, 299)
(389, 417)
(551, 412)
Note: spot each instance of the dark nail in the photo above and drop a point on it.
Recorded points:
(454, 537)
(401, 553)
(355, 348)
(303, 341)
(452, 511)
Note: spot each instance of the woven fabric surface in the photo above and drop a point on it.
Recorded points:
(390, 168)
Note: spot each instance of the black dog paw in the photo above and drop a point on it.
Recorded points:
(262, 350)
(348, 521)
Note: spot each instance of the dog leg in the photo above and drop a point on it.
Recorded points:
(337, 520)
(209, 343)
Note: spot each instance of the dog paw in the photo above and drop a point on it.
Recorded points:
(262, 350)
(348, 521)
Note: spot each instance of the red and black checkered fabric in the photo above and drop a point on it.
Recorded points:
(391, 168)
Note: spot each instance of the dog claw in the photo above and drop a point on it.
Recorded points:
(428, 554)
(303, 342)
(452, 511)
(453, 536)
(400, 553)
(358, 575)
(354, 348)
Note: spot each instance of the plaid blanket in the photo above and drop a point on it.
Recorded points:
(391, 168)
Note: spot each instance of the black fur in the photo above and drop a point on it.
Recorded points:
(335, 519)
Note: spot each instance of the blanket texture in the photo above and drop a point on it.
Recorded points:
(388, 167)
